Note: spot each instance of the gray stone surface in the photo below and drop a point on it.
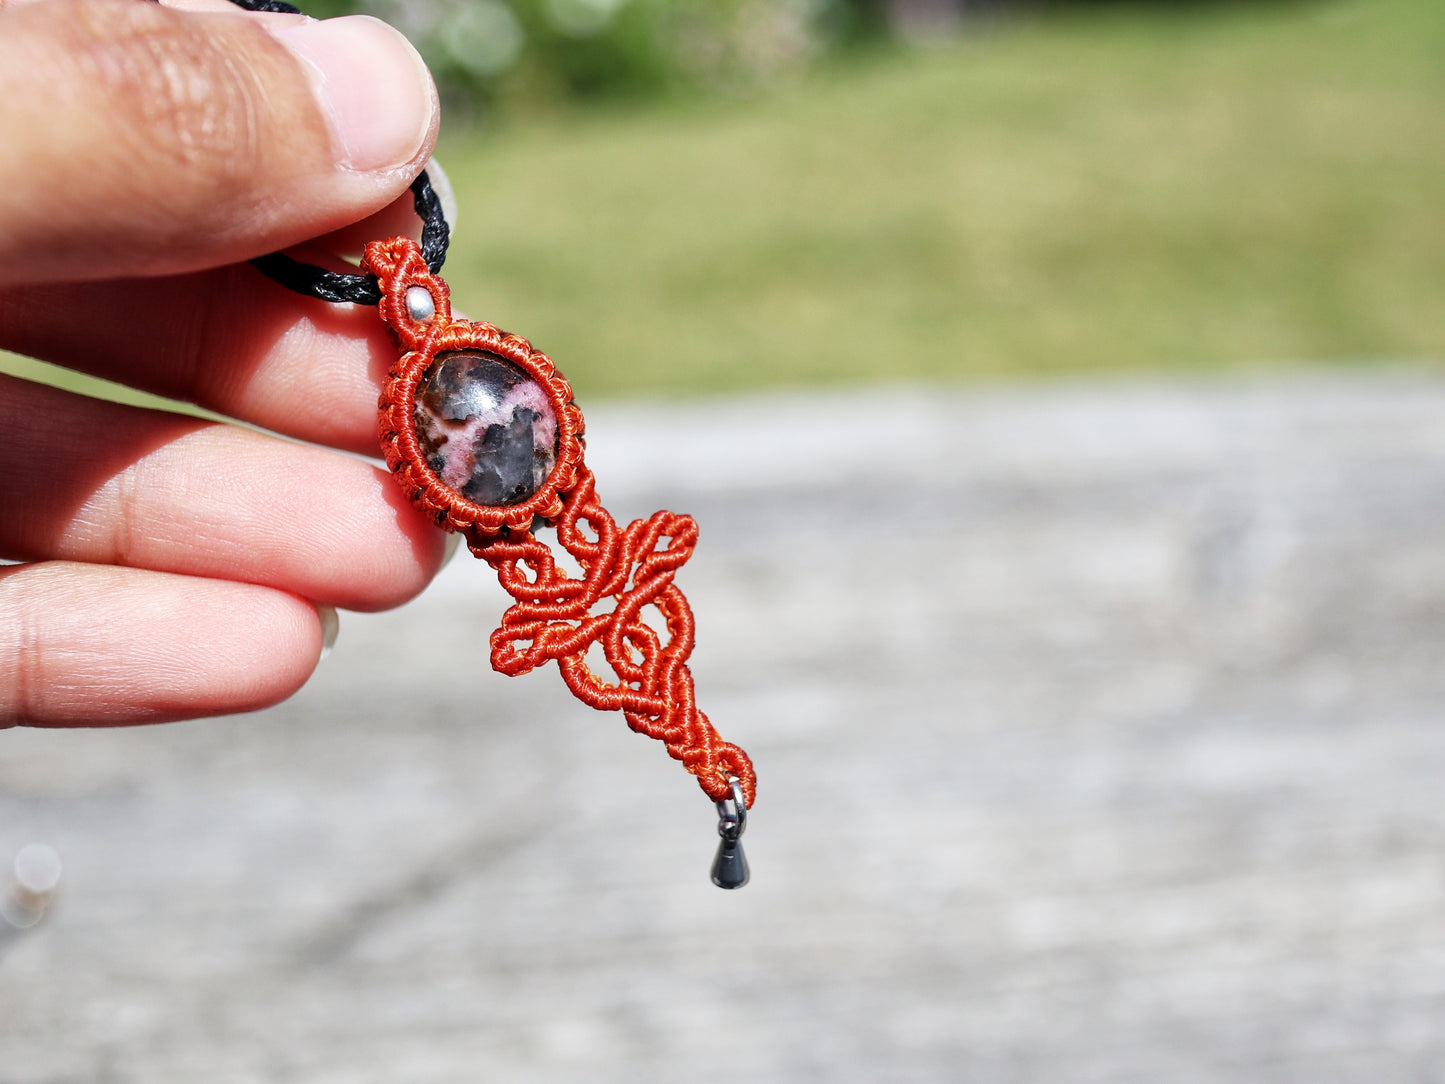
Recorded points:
(1107, 745)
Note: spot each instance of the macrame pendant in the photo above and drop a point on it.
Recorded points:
(482, 434)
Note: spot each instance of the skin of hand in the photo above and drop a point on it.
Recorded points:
(172, 567)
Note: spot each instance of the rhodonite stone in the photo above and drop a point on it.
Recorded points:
(486, 428)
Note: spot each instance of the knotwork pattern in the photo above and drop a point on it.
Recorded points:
(553, 619)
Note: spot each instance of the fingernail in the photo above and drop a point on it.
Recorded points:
(454, 543)
(371, 85)
(330, 626)
(442, 185)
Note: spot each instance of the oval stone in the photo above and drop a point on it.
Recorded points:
(487, 428)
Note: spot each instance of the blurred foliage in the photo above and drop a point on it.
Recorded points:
(509, 55)
(1130, 188)
(498, 53)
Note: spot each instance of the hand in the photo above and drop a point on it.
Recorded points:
(174, 567)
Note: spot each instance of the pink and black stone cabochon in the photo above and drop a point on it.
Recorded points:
(486, 428)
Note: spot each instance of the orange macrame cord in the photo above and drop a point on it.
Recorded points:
(551, 617)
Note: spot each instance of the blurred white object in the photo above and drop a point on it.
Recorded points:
(34, 876)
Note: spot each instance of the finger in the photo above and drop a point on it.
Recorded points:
(84, 645)
(167, 141)
(228, 340)
(398, 219)
(97, 482)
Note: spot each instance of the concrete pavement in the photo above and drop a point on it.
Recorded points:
(1100, 731)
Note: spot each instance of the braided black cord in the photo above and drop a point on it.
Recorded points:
(338, 286)
(274, 6)
(306, 278)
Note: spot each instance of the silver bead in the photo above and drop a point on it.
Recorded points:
(419, 304)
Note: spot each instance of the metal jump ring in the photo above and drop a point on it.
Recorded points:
(732, 823)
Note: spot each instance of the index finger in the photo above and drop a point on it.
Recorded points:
(228, 340)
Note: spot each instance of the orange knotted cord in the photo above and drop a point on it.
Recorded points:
(553, 615)
(553, 619)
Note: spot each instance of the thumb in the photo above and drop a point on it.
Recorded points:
(143, 140)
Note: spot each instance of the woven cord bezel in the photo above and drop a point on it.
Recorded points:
(399, 266)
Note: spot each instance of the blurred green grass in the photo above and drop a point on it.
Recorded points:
(1131, 189)
(1117, 189)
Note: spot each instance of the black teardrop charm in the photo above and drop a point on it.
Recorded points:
(730, 866)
